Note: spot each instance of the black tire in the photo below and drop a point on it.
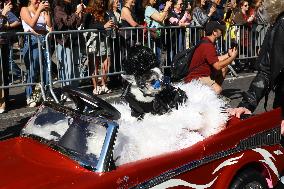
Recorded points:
(249, 179)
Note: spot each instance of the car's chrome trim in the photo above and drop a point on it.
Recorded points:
(106, 155)
(267, 138)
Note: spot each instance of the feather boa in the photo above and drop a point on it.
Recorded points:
(201, 116)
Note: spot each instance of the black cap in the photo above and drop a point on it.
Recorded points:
(212, 25)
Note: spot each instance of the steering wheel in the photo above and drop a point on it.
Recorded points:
(92, 105)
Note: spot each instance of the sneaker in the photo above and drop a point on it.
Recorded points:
(106, 90)
(36, 95)
(64, 98)
(2, 108)
(97, 90)
(31, 102)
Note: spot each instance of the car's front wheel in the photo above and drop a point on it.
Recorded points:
(249, 179)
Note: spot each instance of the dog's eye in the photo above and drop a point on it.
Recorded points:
(153, 81)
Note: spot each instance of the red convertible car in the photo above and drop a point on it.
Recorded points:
(52, 152)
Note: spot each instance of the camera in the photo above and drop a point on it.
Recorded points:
(234, 44)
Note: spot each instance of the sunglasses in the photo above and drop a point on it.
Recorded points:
(246, 5)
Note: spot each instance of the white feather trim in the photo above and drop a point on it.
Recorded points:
(201, 116)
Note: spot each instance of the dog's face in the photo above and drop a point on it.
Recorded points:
(151, 82)
(146, 86)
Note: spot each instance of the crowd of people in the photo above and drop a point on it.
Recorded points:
(40, 17)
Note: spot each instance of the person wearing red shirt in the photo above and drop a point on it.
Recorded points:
(206, 65)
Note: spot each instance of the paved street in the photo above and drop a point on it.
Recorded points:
(18, 114)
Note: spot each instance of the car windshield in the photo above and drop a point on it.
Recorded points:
(77, 136)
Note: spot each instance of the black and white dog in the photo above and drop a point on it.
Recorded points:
(147, 89)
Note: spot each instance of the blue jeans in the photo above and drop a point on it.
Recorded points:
(13, 67)
(32, 61)
(68, 64)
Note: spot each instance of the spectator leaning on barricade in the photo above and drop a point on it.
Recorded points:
(65, 18)
(245, 22)
(115, 44)
(35, 19)
(96, 18)
(199, 14)
(155, 20)
(4, 68)
(261, 19)
(128, 18)
(13, 25)
(113, 11)
(218, 15)
(229, 15)
(178, 16)
(206, 66)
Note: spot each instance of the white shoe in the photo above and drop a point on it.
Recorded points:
(64, 98)
(2, 108)
(106, 90)
(97, 90)
(31, 102)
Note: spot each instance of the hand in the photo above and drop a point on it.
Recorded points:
(46, 5)
(188, 7)
(229, 5)
(233, 52)
(41, 6)
(282, 127)
(168, 5)
(7, 8)
(79, 9)
(251, 18)
(109, 24)
(212, 10)
(238, 111)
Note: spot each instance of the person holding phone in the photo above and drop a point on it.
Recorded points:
(206, 66)
(99, 50)
(35, 19)
(68, 18)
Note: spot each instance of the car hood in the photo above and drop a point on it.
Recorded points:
(29, 164)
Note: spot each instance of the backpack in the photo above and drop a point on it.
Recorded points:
(181, 62)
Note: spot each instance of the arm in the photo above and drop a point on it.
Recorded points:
(160, 17)
(25, 15)
(90, 23)
(62, 20)
(48, 19)
(258, 88)
(126, 14)
(226, 59)
(200, 16)
(14, 22)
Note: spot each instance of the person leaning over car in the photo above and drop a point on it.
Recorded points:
(271, 66)
(206, 65)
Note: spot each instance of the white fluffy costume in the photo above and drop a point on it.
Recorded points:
(187, 113)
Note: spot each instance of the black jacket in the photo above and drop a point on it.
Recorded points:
(271, 69)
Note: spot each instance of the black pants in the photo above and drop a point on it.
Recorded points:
(279, 93)
(4, 62)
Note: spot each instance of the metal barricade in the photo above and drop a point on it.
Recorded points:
(82, 55)
(23, 61)
(79, 55)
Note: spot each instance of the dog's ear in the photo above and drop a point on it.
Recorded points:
(141, 81)
(129, 78)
